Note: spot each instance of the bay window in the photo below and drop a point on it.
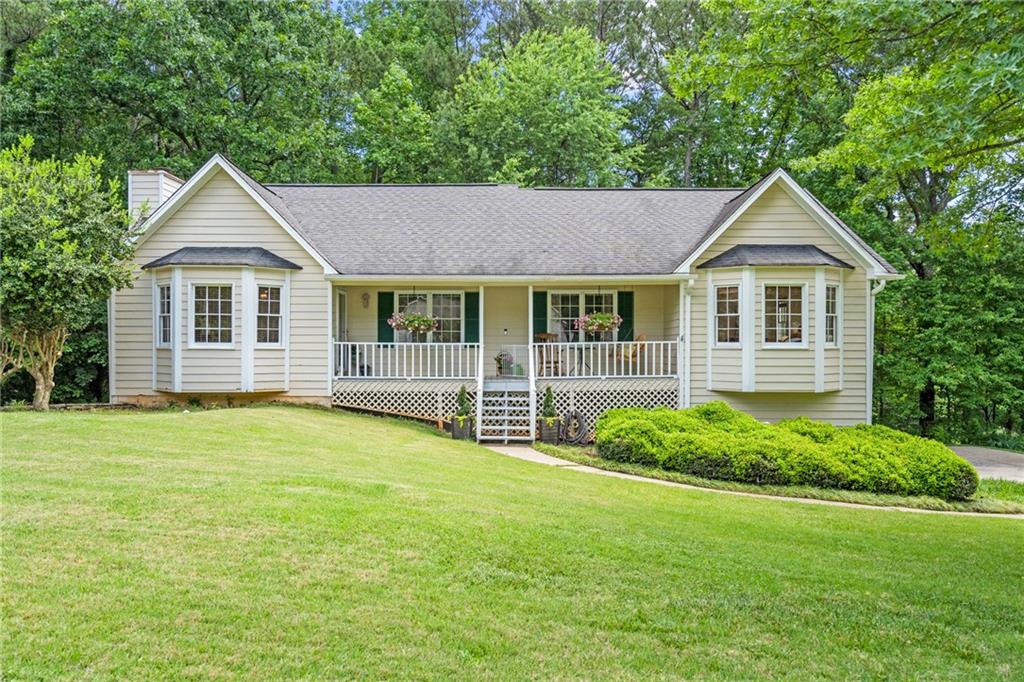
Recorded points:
(784, 315)
(212, 318)
(268, 315)
(832, 315)
(727, 315)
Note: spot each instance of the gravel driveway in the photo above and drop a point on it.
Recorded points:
(992, 463)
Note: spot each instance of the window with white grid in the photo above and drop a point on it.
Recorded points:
(832, 315)
(268, 315)
(163, 320)
(444, 307)
(212, 318)
(566, 308)
(727, 314)
(783, 314)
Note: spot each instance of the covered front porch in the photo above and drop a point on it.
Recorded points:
(506, 343)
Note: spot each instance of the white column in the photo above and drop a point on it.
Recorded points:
(710, 313)
(480, 365)
(330, 339)
(687, 344)
(682, 340)
(531, 370)
(178, 311)
(248, 329)
(819, 330)
(286, 331)
(155, 298)
(747, 293)
(111, 349)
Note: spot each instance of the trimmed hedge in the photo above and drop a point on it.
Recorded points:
(716, 441)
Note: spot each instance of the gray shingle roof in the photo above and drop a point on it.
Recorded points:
(251, 256)
(500, 229)
(774, 254)
(492, 229)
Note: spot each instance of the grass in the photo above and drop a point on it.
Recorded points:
(284, 542)
(992, 496)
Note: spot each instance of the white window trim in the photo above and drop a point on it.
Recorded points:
(429, 293)
(805, 331)
(191, 316)
(714, 315)
(581, 293)
(282, 330)
(838, 343)
(156, 313)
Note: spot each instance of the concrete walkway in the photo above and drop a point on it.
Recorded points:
(527, 453)
(992, 463)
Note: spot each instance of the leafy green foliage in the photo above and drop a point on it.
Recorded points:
(550, 108)
(394, 131)
(718, 442)
(65, 247)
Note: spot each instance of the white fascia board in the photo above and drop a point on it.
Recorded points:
(200, 178)
(813, 208)
(539, 280)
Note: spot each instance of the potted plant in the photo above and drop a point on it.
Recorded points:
(549, 420)
(596, 323)
(503, 363)
(417, 323)
(463, 426)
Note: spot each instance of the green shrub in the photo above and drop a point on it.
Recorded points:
(716, 441)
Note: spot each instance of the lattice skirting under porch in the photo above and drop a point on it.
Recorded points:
(593, 397)
(422, 399)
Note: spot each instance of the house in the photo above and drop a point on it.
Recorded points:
(760, 297)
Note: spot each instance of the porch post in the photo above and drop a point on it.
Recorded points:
(530, 369)
(480, 367)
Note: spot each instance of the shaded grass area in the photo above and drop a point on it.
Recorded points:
(284, 542)
(992, 496)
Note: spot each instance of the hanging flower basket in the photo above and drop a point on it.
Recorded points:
(595, 323)
(417, 323)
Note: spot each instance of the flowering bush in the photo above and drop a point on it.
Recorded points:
(598, 322)
(413, 322)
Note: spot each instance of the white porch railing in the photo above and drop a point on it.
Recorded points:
(354, 360)
(602, 359)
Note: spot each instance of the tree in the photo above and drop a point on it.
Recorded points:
(550, 103)
(167, 84)
(929, 97)
(66, 245)
(393, 131)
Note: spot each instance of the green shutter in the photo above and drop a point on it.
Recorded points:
(471, 328)
(385, 307)
(625, 307)
(540, 313)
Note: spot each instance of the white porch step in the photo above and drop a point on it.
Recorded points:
(505, 413)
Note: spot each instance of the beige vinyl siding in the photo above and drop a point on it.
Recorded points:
(670, 311)
(222, 214)
(726, 363)
(505, 308)
(648, 311)
(784, 379)
(145, 188)
(164, 370)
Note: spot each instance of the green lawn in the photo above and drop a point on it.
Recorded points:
(284, 542)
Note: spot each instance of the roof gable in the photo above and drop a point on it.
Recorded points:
(738, 206)
(263, 198)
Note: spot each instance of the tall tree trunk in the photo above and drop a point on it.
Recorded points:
(926, 404)
(42, 351)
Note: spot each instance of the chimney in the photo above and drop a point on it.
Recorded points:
(150, 188)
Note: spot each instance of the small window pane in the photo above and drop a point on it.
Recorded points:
(783, 320)
(212, 318)
(727, 314)
(268, 315)
(831, 315)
